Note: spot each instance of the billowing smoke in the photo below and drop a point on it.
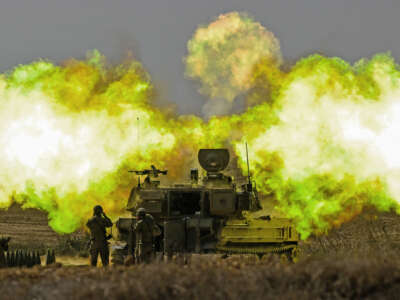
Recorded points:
(323, 136)
(216, 107)
(68, 134)
(334, 149)
(222, 55)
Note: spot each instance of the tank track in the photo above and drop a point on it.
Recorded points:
(260, 250)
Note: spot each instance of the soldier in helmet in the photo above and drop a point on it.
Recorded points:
(145, 230)
(99, 245)
(3, 248)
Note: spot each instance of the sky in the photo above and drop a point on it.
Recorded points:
(157, 32)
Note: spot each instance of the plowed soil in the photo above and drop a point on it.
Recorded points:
(29, 229)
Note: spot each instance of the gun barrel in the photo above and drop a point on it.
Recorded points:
(142, 172)
(248, 165)
(147, 172)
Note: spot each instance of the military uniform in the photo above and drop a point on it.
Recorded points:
(145, 229)
(3, 248)
(99, 244)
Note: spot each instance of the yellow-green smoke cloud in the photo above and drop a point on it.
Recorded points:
(67, 133)
(223, 54)
(323, 136)
(335, 147)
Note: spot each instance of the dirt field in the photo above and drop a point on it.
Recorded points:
(29, 229)
(359, 260)
(367, 234)
(25, 226)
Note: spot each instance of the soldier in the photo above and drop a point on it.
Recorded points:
(97, 225)
(145, 230)
(3, 248)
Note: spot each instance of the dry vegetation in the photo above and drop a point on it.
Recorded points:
(205, 278)
(358, 260)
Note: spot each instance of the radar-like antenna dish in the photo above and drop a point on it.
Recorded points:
(213, 160)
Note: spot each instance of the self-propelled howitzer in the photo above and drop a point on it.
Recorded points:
(209, 215)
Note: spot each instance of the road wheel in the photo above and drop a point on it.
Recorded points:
(295, 254)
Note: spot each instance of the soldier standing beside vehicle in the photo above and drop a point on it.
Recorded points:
(99, 245)
(145, 230)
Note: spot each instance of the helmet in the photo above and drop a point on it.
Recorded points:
(97, 210)
(141, 212)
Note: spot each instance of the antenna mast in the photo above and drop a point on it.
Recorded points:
(248, 164)
(137, 141)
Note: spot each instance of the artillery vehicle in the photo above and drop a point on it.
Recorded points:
(210, 215)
